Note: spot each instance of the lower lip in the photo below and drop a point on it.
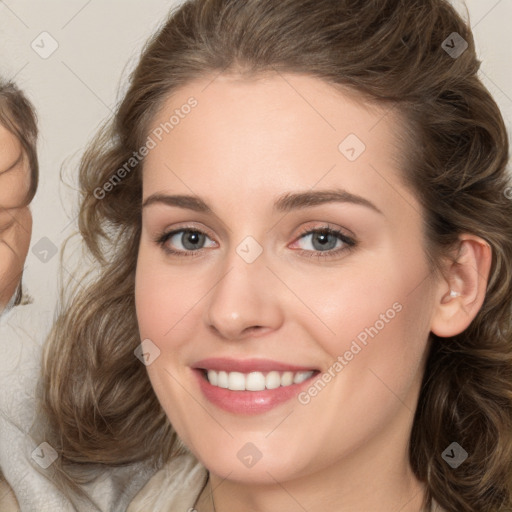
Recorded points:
(248, 402)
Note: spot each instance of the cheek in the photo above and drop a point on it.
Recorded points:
(165, 299)
(348, 301)
(373, 314)
(381, 323)
(163, 305)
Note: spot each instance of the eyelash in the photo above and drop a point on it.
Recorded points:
(350, 243)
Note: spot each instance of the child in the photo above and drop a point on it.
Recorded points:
(22, 486)
(18, 183)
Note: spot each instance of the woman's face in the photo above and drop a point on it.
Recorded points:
(256, 298)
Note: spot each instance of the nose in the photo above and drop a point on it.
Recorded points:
(244, 301)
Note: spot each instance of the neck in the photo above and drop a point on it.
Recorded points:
(369, 479)
(374, 476)
(407, 496)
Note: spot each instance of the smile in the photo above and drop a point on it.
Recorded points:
(255, 381)
(250, 386)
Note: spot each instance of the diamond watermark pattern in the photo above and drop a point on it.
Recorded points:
(44, 250)
(44, 455)
(249, 455)
(455, 455)
(249, 249)
(454, 45)
(44, 45)
(352, 147)
(147, 352)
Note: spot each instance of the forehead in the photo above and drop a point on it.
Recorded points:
(260, 136)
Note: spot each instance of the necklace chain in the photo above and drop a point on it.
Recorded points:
(209, 482)
(211, 492)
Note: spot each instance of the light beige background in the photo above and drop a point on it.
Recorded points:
(75, 88)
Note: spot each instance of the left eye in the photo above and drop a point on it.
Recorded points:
(323, 240)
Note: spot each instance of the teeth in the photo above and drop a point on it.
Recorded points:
(255, 381)
(222, 380)
(236, 381)
(300, 377)
(272, 380)
(213, 378)
(287, 379)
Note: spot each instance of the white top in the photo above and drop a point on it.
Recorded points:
(177, 486)
(10, 304)
(23, 330)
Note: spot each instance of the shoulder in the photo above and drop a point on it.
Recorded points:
(22, 333)
(174, 487)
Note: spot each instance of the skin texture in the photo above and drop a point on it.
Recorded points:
(246, 143)
(15, 215)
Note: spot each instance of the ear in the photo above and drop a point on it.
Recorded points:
(461, 293)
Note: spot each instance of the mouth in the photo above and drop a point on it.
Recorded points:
(251, 386)
(255, 381)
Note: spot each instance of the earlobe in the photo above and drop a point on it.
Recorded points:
(461, 293)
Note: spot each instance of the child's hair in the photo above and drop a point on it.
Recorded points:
(18, 116)
(97, 395)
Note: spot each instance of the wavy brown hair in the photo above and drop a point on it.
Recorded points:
(97, 395)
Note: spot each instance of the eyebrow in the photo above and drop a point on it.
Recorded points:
(285, 203)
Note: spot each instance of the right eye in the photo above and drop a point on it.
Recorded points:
(188, 237)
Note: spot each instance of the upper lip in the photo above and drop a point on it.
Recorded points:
(247, 365)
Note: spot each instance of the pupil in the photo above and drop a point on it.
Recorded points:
(323, 238)
(192, 238)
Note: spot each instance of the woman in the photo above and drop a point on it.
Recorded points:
(266, 369)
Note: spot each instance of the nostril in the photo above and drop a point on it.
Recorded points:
(254, 328)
